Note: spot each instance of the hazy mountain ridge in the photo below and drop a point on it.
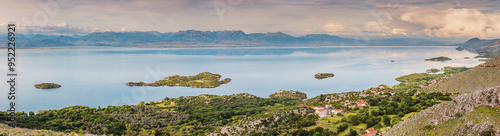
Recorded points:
(189, 38)
(482, 45)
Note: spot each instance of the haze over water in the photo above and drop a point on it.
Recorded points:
(97, 76)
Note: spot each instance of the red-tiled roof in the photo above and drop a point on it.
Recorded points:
(329, 105)
(321, 109)
(371, 130)
(361, 103)
(352, 105)
(370, 134)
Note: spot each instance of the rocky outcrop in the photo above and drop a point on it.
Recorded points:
(446, 111)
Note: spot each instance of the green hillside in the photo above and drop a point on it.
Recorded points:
(468, 114)
(483, 76)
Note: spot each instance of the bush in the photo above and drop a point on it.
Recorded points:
(387, 121)
(401, 114)
(488, 133)
(353, 132)
(342, 127)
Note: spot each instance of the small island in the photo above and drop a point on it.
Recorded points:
(323, 75)
(47, 86)
(432, 70)
(201, 80)
(289, 94)
(442, 58)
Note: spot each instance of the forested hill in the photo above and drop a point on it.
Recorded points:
(191, 115)
(195, 38)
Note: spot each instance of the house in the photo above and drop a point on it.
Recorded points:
(361, 104)
(352, 106)
(418, 92)
(393, 93)
(329, 106)
(381, 92)
(172, 102)
(336, 111)
(317, 108)
(370, 132)
(322, 112)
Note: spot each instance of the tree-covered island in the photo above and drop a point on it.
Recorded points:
(47, 86)
(442, 58)
(201, 80)
(323, 75)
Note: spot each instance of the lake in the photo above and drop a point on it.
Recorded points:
(97, 76)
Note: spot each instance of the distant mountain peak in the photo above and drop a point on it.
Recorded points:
(475, 39)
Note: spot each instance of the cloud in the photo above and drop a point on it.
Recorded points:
(333, 28)
(398, 31)
(463, 22)
(381, 28)
(55, 29)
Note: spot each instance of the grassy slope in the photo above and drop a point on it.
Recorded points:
(7, 130)
(477, 78)
(443, 120)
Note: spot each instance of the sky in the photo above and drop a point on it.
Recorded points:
(441, 20)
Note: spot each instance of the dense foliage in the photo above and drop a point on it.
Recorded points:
(202, 80)
(194, 115)
(289, 94)
(323, 75)
(47, 86)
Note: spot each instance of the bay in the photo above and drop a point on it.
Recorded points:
(97, 76)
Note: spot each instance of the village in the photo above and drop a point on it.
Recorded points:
(348, 106)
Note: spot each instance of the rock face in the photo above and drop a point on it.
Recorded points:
(435, 116)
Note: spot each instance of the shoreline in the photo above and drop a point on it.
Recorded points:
(221, 46)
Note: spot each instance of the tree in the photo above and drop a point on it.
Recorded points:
(354, 119)
(370, 123)
(401, 114)
(387, 121)
(342, 127)
(353, 132)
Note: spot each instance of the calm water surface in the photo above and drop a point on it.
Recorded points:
(97, 76)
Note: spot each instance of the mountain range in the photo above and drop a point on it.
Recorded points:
(193, 38)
